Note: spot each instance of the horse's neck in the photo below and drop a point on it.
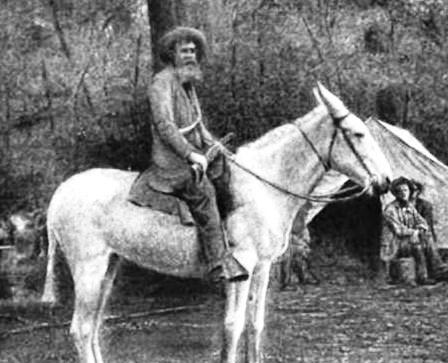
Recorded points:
(284, 158)
(329, 184)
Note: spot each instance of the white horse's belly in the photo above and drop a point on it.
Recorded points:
(155, 240)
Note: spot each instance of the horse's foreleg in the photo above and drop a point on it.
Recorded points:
(256, 312)
(89, 282)
(234, 320)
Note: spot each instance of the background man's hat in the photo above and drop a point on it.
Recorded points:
(399, 181)
(182, 33)
(418, 186)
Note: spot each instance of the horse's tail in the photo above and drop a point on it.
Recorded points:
(49, 296)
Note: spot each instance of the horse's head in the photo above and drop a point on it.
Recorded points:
(352, 149)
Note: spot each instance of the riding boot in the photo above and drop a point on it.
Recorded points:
(420, 265)
(201, 201)
(219, 175)
(385, 273)
(437, 268)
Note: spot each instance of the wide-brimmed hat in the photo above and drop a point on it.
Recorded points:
(181, 33)
(418, 186)
(400, 181)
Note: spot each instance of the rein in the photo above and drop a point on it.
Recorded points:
(320, 198)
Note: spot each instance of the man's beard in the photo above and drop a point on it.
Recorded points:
(403, 201)
(189, 73)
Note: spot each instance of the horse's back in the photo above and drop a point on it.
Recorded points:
(95, 184)
(90, 213)
(80, 201)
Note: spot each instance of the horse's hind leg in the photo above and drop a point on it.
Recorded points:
(49, 295)
(106, 288)
(93, 281)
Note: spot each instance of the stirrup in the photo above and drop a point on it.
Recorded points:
(233, 270)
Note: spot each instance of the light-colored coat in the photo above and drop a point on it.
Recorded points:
(173, 111)
(399, 227)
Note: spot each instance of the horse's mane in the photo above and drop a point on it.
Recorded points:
(283, 130)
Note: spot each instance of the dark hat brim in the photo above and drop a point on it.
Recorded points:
(181, 33)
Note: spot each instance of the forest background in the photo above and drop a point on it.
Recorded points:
(74, 75)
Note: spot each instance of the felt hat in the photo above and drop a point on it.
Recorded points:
(181, 33)
(400, 181)
(417, 185)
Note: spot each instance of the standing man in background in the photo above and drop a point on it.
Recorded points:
(425, 209)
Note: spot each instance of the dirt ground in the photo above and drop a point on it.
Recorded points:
(364, 322)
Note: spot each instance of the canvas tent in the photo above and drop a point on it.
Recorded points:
(408, 157)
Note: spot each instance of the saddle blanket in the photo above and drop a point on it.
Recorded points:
(165, 203)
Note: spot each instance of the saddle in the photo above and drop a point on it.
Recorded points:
(166, 203)
(147, 196)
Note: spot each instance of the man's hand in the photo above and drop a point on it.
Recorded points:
(201, 160)
(415, 237)
(422, 227)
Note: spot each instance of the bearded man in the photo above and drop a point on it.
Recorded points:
(180, 139)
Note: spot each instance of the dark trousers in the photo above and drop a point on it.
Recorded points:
(285, 268)
(202, 202)
(434, 260)
(421, 266)
(293, 262)
(427, 258)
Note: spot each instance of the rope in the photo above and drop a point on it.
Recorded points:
(322, 198)
(319, 198)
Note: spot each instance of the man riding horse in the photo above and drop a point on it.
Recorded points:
(180, 141)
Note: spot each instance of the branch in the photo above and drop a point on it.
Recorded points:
(81, 81)
(84, 87)
(7, 117)
(137, 61)
(58, 28)
(88, 97)
(47, 94)
(314, 40)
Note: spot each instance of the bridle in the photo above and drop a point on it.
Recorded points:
(325, 161)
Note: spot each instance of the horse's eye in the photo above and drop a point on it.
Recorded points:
(358, 135)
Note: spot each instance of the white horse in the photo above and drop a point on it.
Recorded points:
(92, 222)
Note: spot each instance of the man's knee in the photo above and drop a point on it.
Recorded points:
(197, 193)
(201, 201)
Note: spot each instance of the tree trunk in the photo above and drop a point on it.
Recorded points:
(163, 16)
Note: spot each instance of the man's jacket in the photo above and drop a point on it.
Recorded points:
(399, 225)
(177, 130)
(425, 209)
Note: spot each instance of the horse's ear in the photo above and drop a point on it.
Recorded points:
(317, 96)
(334, 105)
